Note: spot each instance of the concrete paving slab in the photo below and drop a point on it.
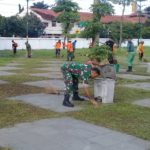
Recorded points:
(47, 101)
(3, 82)
(144, 102)
(7, 68)
(57, 84)
(143, 64)
(133, 77)
(48, 75)
(53, 62)
(142, 85)
(53, 65)
(61, 134)
(54, 69)
(14, 64)
(5, 73)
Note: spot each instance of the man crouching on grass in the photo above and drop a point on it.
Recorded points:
(72, 72)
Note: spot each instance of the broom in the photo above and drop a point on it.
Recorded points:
(51, 90)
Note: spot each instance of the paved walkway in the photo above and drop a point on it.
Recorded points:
(62, 133)
(67, 134)
(140, 85)
(3, 82)
(133, 77)
(144, 102)
(48, 101)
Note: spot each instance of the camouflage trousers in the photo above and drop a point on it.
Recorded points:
(71, 82)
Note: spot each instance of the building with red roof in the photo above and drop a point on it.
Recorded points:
(54, 29)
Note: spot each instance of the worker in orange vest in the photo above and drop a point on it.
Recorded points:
(140, 50)
(69, 51)
(58, 48)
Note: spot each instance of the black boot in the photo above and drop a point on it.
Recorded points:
(129, 69)
(66, 101)
(76, 97)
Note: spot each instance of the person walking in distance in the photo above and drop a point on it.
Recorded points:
(110, 43)
(69, 51)
(28, 48)
(14, 47)
(131, 55)
(58, 48)
(74, 47)
(140, 50)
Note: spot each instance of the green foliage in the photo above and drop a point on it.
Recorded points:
(146, 32)
(66, 5)
(16, 25)
(40, 5)
(91, 29)
(102, 9)
(99, 53)
(145, 29)
(68, 19)
(99, 9)
(36, 27)
(68, 14)
(2, 26)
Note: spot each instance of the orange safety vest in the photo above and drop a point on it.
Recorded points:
(58, 45)
(140, 48)
(69, 47)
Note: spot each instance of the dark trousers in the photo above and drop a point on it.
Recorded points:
(14, 50)
(75, 84)
(57, 52)
(141, 56)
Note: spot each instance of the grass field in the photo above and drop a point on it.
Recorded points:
(122, 115)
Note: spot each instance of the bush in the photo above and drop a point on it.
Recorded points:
(99, 53)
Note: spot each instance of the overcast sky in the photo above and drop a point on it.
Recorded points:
(10, 7)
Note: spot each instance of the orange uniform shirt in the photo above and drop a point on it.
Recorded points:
(140, 48)
(58, 45)
(69, 47)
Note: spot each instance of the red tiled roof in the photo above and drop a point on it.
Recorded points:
(85, 16)
(45, 13)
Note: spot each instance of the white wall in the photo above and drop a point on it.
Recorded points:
(48, 43)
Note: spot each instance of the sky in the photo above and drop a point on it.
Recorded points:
(10, 7)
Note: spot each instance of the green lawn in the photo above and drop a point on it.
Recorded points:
(2, 148)
(122, 115)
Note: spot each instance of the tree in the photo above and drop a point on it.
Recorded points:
(129, 31)
(146, 30)
(92, 30)
(68, 15)
(100, 8)
(2, 26)
(124, 3)
(36, 27)
(14, 26)
(40, 5)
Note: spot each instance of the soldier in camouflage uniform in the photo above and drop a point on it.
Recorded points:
(72, 72)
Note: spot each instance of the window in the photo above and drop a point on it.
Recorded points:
(53, 23)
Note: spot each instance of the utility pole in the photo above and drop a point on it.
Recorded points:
(27, 25)
(139, 22)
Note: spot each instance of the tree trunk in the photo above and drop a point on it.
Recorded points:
(96, 18)
(121, 25)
